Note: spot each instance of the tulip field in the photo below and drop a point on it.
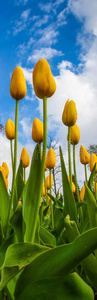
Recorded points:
(48, 242)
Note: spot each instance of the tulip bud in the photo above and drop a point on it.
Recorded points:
(43, 190)
(82, 193)
(37, 131)
(43, 80)
(74, 134)
(48, 182)
(50, 159)
(25, 158)
(73, 185)
(69, 115)
(5, 166)
(84, 155)
(18, 87)
(10, 130)
(3, 171)
(93, 160)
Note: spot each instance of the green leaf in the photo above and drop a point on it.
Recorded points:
(59, 288)
(16, 222)
(19, 185)
(90, 182)
(47, 238)
(59, 261)
(4, 246)
(4, 206)
(32, 196)
(92, 207)
(69, 201)
(17, 257)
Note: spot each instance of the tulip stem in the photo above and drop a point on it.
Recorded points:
(69, 156)
(24, 174)
(52, 216)
(42, 164)
(11, 153)
(15, 154)
(75, 175)
(86, 174)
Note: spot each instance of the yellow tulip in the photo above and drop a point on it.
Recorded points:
(84, 155)
(18, 87)
(5, 166)
(74, 134)
(3, 171)
(37, 131)
(25, 158)
(82, 193)
(10, 130)
(73, 185)
(93, 160)
(50, 159)
(69, 115)
(43, 80)
(94, 186)
(48, 182)
(43, 190)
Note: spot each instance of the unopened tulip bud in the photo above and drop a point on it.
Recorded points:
(69, 115)
(37, 131)
(10, 130)
(50, 159)
(74, 134)
(82, 193)
(18, 87)
(43, 80)
(48, 182)
(25, 158)
(5, 166)
(84, 155)
(93, 160)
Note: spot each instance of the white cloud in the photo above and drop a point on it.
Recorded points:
(44, 53)
(20, 24)
(26, 127)
(61, 18)
(48, 36)
(23, 2)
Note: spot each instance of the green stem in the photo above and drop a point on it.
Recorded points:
(86, 174)
(24, 174)
(75, 175)
(11, 153)
(15, 153)
(42, 163)
(69, 156)
(52, 215)
(95, 188)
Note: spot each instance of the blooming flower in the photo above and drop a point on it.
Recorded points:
(69, 115)
(43, 80)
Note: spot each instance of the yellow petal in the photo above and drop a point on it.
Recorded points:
(37, 131)
(5, 166)
(10, 130)
(50, 159)
(48, 182)
(69, 115)
(93, 160)
(25, 158)
(84, 155)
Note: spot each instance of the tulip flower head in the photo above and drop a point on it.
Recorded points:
(93, 160)
(84, 155)
(5, 166)
(43, 80)
(82, 193)
(73, 185)
(25, 158)
(18, 87)
(50, 159)
(74, 134)
(10, 130)
(48, 182)
(69, 115)
(37, 131)
(43, 190)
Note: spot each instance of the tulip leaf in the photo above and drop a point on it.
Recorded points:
(59, 261)
(4, 246)
(67, 287)
(47, 238)
(19, 185)
(17, 257)
(69, 201)
(90, 182)
(92, 207)
(16, 222)
(32, 196)
(4, 206)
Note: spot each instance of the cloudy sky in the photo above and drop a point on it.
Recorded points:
(65, 33)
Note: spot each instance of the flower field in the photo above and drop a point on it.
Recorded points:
(48, 243)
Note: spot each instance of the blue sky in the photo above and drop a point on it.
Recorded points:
(65, 33)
